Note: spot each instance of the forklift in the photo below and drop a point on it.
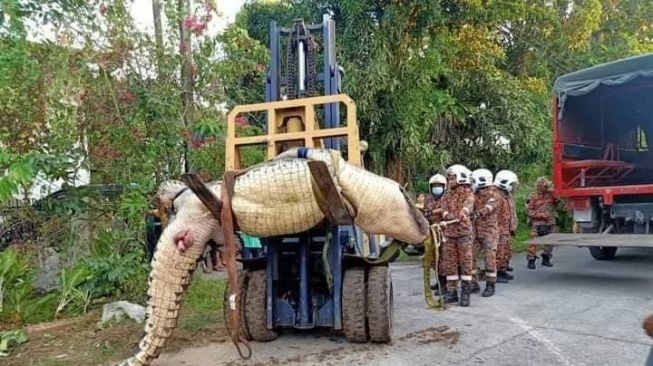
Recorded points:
(334, 275)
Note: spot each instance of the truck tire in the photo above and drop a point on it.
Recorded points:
(354, 298)
(255, 308)
(242, 280)
(380, 304)
(603, 253)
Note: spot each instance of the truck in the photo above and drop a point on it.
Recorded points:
(603, 155)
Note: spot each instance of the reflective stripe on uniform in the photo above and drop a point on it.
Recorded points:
(466, 278)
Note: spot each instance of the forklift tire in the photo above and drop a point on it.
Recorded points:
(380, 304)
(242, 280)
(603, 253)
(255, 308)
(354, 296)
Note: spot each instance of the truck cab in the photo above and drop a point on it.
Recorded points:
(603, 153)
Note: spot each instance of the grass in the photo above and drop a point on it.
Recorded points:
(85, 343)
(203, 306)
(519, 243)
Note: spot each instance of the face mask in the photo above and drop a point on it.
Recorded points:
(437, 191)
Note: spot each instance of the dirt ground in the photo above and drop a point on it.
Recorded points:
(84, 343)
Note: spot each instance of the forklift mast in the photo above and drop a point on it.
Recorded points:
(308, 276)
(301, 79)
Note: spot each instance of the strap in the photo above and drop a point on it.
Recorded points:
(430, 260)
(227, 220)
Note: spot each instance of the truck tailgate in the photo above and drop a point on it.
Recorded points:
(595, 240)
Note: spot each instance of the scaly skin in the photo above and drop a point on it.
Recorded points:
(179, 249)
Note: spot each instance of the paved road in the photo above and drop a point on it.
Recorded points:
(581, 312)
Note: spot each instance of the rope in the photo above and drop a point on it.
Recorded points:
(328, 274)
(389, 252)
(430, 260)
(230, 259)
(431, 256)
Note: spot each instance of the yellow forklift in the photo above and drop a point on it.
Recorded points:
(334, 275)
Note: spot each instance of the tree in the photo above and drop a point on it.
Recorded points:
(450, 81)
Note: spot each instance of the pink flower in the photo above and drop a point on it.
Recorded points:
(241, 121)
(128, 97)
(198, 28)
(189, 22)
(138, 135)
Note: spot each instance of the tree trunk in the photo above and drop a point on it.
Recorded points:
(158, 33)
(187, 78)
(394, 168)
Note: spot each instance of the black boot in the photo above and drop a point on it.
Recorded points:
(546, 260)
(476, 288)
(504, 277)
(509, 269)
(531, 264)
(465, 292)
(489, 289)
(451, 296)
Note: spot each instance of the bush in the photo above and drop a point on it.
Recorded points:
(75, 293)
(117, 265)
(18, 301)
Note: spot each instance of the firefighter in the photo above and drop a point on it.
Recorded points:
(433, 213)
(540, 210)
(506, 182)
(458, 206)
(486, 225)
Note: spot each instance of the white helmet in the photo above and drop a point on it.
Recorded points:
(481, 178)
(506, 180)
(438, 179)
(461, 172)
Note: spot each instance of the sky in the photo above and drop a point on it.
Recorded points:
(141, 11)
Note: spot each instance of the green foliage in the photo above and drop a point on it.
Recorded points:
(11, 273)
(73, 294)
(203, 305)
(11, 339)
(116, 265)
(446, 82)
(18, 302)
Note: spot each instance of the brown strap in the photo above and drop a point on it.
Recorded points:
(227, 220)
(212, 203)
(327, 196)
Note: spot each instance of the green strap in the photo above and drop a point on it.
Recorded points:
(430, 259)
